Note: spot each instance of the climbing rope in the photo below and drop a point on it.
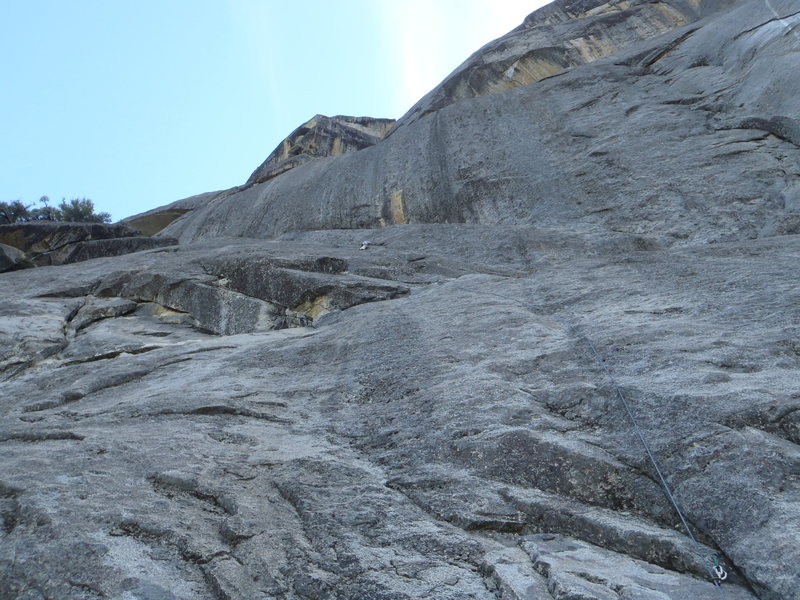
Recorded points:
(716, 572)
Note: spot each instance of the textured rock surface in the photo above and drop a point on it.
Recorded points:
(404, 447)
(88, 249)
(153, 221)
(57, 243)
(11, 258)
(558, 37)
(320, 137)
(294, 418)
(44, 236)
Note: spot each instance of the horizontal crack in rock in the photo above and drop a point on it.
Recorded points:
(223, 410)
(39, 436)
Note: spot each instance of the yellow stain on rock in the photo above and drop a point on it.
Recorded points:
(17, 240)
(286, 148)
(397, 208)
(337, 147)
(314, 308)
(166, 314)
(607, 8)
(591, 48)
(525, 71)
(671, 13)
(164, 311)
(153, 223)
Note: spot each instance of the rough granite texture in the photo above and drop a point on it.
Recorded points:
(319, 137)
(267, 412)
(43, 243)
(37, 237)
(558, 37)
(11, 258)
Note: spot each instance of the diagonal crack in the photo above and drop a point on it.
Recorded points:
(777, 18)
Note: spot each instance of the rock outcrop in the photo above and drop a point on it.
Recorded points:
(57, 243)
(153, 221)
(267, 411)
(558, 37)
(39, 237)
(320, 137)
(12, 258)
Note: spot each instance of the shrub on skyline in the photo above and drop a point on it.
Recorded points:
(80, 210)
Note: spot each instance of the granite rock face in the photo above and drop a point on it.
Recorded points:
(319, 137)
(11, 258)
(558, 37)
(166, 431)
(268, 411)
(38, 237)
(672, 138)
(58, 243)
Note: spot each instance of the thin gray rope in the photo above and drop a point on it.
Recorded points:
(601, 361)
(573, 330)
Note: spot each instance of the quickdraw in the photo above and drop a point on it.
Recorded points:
(719, 573)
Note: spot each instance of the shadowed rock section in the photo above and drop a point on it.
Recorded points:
(57, 243)
(12, 258)
(153, 221)
(40, 237)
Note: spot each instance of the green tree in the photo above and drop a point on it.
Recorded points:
(80, 210)
(13, 212)
(45, 212)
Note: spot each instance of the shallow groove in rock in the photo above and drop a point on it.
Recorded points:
(225, 411)
(112, 354)
(40, 436)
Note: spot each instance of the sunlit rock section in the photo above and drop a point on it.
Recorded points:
(443, 429)
(557, 37)
(322, 136)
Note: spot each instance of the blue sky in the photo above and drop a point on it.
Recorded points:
(135, 104)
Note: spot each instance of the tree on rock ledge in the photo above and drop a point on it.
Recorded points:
(11, 212)
(79, 210)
